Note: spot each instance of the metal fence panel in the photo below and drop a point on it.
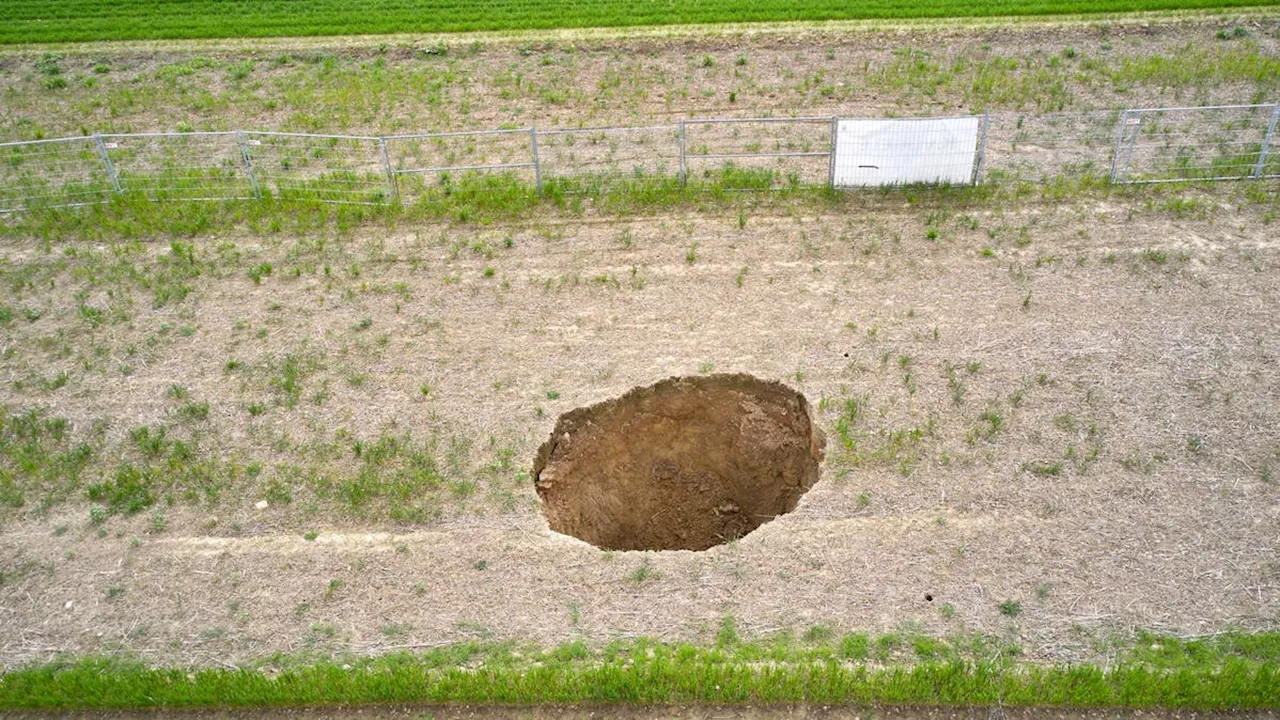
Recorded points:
(1158, 145)
(609, 154)
(874, 152)
(1145, 145)
(52, 173)
(421, 163)
(329, 168)
(1049, 146)
(760, 151)
(1269, 159)
(179, 166)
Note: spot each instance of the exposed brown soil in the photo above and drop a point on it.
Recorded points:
(685, 464)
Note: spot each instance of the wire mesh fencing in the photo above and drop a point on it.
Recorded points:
(417, 164)
(1045, 147)
(1146, 145)
(346, 169)
(758, 152)
(57, 173)
(179, 166)
(1229, 142)
(591, 157)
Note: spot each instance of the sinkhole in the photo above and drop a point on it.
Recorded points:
(684, 464)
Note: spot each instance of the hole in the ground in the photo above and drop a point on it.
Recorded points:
(685, 464)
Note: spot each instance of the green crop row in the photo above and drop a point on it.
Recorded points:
(31, 21)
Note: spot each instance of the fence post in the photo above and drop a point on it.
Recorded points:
(1133, 142)
(248, 163)
(393, 186)
(831, 166)
(684, 166)
(537, 164)
(982, 149)
(1122, 124)
(1266, 141)
(106, 160)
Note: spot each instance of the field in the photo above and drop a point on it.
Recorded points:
(282, 452)
(47, 21)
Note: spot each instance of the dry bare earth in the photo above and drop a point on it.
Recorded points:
(1085, 420)
(1150, 379)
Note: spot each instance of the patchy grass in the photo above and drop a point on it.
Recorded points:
(1226, 672)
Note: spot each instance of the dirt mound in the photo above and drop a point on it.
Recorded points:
(685, 464)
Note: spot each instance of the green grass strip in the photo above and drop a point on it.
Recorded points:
(484, 200)
(648, 674)
(498, 199)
